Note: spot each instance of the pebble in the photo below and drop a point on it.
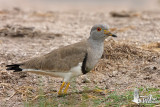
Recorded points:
(86, 80)
(147, 77)
(115, 73)
(133, 75)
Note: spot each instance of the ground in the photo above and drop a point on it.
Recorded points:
(130, 61)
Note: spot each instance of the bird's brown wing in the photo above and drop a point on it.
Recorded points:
(62, 59)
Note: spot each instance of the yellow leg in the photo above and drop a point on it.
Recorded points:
(60, 90)
(65, 90)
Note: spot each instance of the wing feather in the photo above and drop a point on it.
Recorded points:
(60, 59)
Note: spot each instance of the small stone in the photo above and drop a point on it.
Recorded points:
(154, 68)
(107, 86)
(58, 35)
(115, 73)
(124, 72)
(23, 75)
(86, 80)
(150, 69)
(158, 72)
(51, 36)
(133, 75)
(147, 77)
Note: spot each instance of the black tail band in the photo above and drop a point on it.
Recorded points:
(14, 67)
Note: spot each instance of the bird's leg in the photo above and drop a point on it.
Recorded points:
(65, 90)
(60, 90)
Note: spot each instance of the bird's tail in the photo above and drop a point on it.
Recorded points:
(14, 67)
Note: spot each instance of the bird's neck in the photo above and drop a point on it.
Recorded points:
(95, 52)
(96, 44)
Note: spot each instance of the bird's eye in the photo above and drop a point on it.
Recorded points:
(99, 29)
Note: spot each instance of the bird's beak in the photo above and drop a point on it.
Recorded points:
(109, 33)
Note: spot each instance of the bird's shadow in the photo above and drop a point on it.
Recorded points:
(68, 94)
(79, 92)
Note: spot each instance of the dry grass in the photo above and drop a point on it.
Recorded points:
(154, 46)
(122, 50)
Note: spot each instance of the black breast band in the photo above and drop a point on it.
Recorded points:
(84, 71)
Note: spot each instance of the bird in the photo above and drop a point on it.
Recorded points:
(68, 61)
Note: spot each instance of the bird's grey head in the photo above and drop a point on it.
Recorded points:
(100, 32)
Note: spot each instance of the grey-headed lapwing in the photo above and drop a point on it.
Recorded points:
(69, 61)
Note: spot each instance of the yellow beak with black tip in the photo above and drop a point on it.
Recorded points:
(109, 33)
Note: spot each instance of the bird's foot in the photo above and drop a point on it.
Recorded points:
(60, 93)
(60, 90)
(67, 86)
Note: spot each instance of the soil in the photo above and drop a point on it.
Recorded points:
(129, 61)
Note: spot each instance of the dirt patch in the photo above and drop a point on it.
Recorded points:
(152, 46)
(21, 31)
(124, 14)
(121, 50)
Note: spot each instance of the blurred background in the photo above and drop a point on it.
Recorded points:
(61, 16)
(61, 4)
